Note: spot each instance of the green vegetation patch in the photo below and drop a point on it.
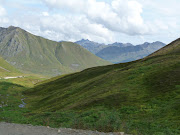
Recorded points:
(140, 97)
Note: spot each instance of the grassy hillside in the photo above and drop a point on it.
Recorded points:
(12, 106)
(5, 67)
(34, 54)
(140, 97)
(7, 70)
(173, 48)
(11, 91)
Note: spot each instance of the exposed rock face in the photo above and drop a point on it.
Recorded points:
(10, 43)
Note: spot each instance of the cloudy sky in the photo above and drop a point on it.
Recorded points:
(134, 21)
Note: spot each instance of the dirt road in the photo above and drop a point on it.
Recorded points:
(20, 129)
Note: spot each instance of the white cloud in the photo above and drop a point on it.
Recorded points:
(144, 18)
(3, 19)
(74, 28)
(45, 13)
(101, 21)
(73, 5)
(58, 27)
(122, 16)
(2, 11)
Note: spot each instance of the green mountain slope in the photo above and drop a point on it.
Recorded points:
(140, 97)
(34, 54)
(6, 68)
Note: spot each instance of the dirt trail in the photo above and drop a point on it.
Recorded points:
(13, 77)
(21, 129)
(4, 69)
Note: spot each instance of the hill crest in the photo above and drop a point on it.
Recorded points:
(173, 47)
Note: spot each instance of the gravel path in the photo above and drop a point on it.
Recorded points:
(21, 129)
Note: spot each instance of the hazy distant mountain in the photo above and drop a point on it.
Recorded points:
(117, 54)
(91, 46)
(34, 54)
(120, 44)
(95, 47)
(120, 52)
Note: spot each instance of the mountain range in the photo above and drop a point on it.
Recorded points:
(120, 52)
(33, 54)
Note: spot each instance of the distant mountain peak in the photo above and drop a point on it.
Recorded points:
(120, 44)
(146, 43)
(158, 42)
(84, 39)
(12, 27)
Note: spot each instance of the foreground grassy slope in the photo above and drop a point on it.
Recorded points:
(34, 54)
(11, 92)
(140, 97)
(12, 106)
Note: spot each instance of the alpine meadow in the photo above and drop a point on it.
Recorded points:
(89, 67)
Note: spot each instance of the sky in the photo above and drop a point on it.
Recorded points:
(103, 21)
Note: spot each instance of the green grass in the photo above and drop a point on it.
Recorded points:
(100, 99)
(140, 97)
(99, 85)
(7, 69)
(11, 93)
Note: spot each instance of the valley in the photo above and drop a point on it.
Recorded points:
(89, 67)
(129, 97)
